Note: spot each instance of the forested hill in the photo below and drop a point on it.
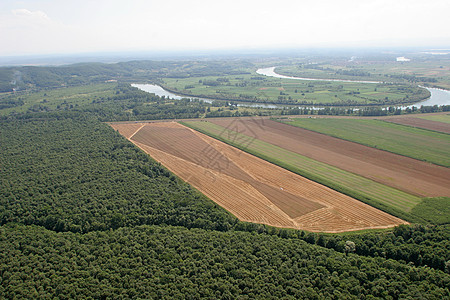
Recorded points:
(26, 77)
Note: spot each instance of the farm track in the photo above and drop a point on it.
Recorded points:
(409, 175)
(251, 188)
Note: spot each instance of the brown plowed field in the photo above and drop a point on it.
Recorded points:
(251, 188)
(130, 129)
(421, 123)
(404, 173)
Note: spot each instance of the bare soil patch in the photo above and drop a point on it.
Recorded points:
(406, 174)
(251, 188)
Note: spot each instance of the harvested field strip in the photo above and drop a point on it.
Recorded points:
(250, 188)
(224, 190)
(421, 123)
(315, 170)
(404, 140)
(409, 175)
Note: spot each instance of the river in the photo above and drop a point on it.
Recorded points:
(438, 96)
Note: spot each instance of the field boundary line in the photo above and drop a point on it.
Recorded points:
(272, 210)
(142, 126)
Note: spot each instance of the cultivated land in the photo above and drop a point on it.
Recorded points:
(421, 123)
(251, 188)
(389, 199)
(403, 173)
(404, 140)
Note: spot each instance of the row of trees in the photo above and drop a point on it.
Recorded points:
(366, 111)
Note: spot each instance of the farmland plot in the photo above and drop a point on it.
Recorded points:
(416, 143)
(406, 174)
(250, 188)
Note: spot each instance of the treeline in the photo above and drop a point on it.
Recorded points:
(419, 245)
(155, 262)
(127, 103)
(413, 78)
(353, 72)
(131, 104)
(366, 111)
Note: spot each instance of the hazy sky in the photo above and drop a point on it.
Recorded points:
(75, 26)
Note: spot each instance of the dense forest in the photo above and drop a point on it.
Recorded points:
(165, 262)
(86, 214)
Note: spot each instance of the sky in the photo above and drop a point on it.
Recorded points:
(39, 27)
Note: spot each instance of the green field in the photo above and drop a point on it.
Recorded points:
(437, 118)
(378, 195)
(404, 140)
(258, 88)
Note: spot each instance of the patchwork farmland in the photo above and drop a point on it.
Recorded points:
(429, 146)
(409, 175)
(252, 189)
(407, 188)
